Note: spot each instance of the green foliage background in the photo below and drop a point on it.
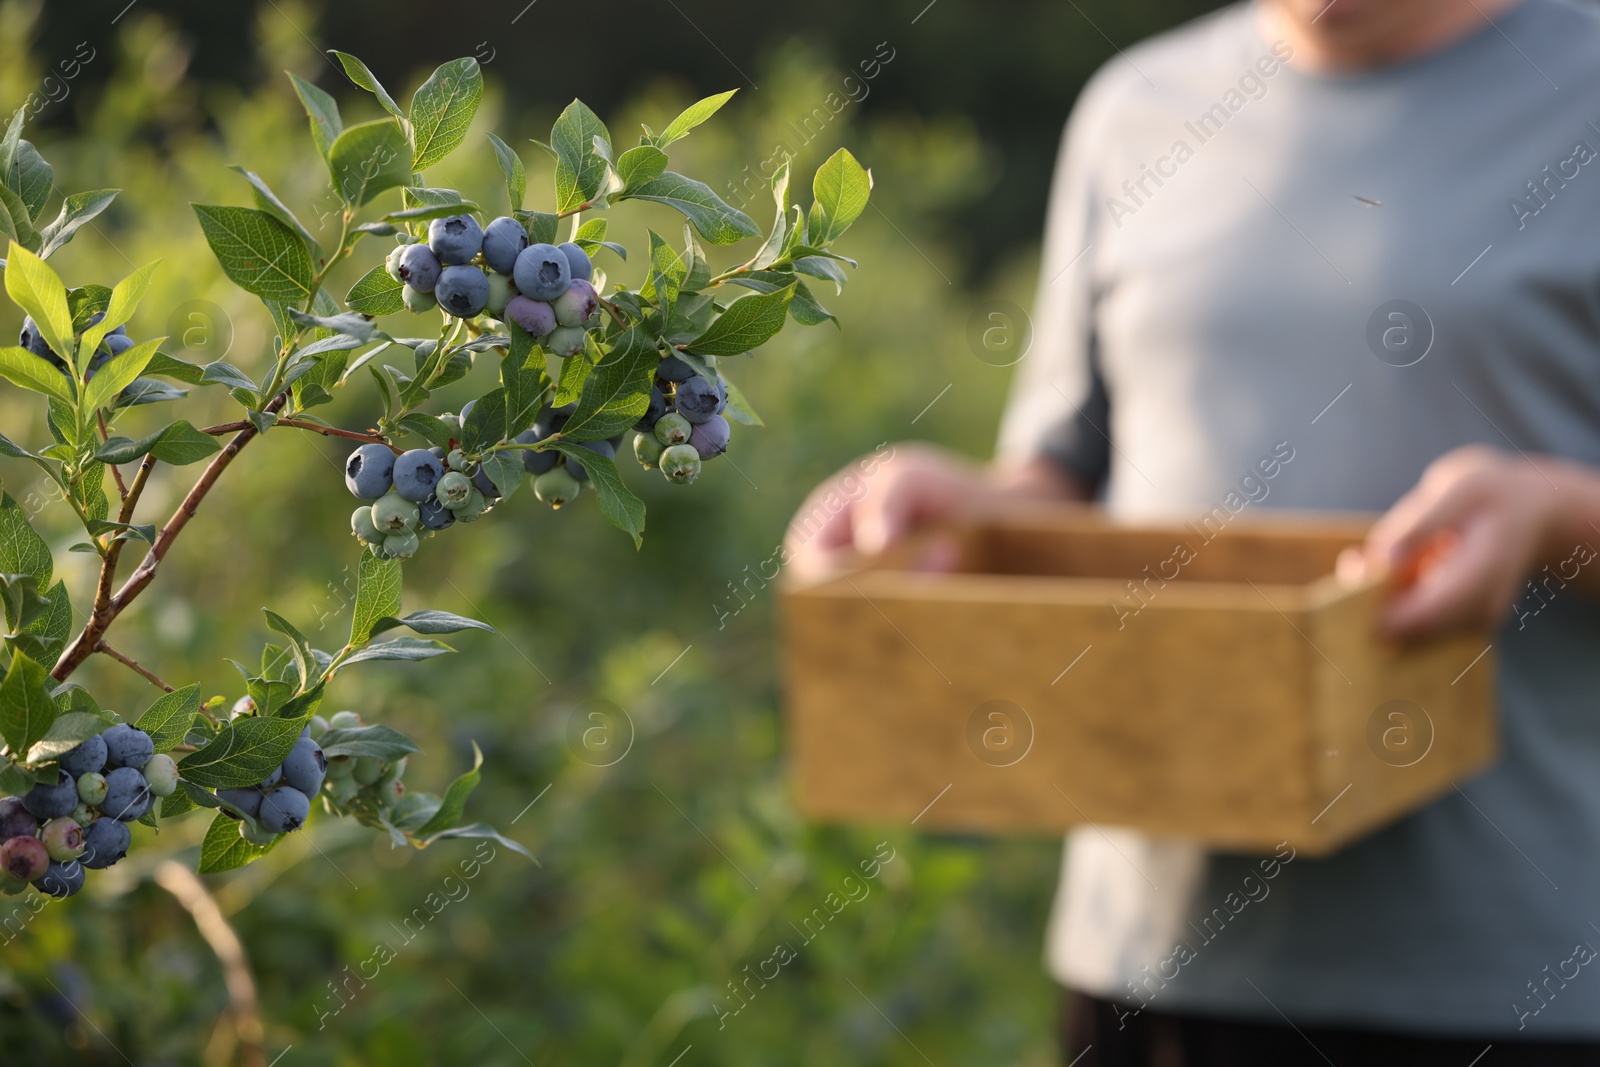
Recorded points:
(663, 875)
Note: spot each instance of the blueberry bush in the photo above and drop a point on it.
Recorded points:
(581, 362)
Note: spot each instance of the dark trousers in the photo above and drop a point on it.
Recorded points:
(1093, 1036)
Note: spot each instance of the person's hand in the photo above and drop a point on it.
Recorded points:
(1459, 547)
(875, 502)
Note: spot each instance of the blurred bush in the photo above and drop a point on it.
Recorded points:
(664, 875)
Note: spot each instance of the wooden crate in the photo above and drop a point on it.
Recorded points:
(1245, 703)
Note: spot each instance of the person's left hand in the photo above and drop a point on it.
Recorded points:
(1460, 545)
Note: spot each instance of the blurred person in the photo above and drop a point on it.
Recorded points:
(1238, 204)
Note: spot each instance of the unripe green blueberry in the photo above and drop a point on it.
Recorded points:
(565, 341)
(673, 429)
(392, 264)
(342, 790)
(647, 450)
(500, 293)
(10, 887)
(476, 504)
(63, 839)
(368, 769)
(341, 766)
(92, 787)
(417, 301)
(363, 527)
(457, 461)
(389, 793)
(556, 487)
(394, 771)
(257, 837)
(162, 774)
(400, 545)
(681, 464)
(394, 514)
(454, 489)
(82, 815)
(318, 726)
(344, 720)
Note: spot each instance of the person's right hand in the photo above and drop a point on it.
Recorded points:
(875, 502)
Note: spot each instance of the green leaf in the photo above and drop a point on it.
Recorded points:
(523, 378)
(225, 848)
(805, 310)
(505, 470)
(666, 263)
(179, 803)
(26, 707)
(772, 250)
(322, 110)
(511, 167)
(177, 444)
(431, 622)
(35, 179)
(692, 116)
(624, 510)
(747, 324)
(369, 158)
(15, 222)
(37, 289)
(66, 733)
(14, 781)
(739, 409)
(455, 797)
(120, 306)
(486, 423)
(378, 741)
(268, 201)
(841, 187)
(21, 367)
(244, 752)
(257, 252)
(640, 164)
(717, 222)
(377, 595)
(541, 225)
(22, 550)
(579, 171)
(54, 625)
(617, 392)
(424, 212)
(76, 210)
(12, 138)
(406, 649)
(167, 720)
(358, 73)
(305, 660)
(442, 109)
(119, 373)
(574, 372)
(481, 830)
(429, 427)
(377, 293)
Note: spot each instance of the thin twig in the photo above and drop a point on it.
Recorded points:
(222, 429)
(244, 1008)
(128, 661)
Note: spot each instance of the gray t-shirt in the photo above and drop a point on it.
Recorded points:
(1227, 238)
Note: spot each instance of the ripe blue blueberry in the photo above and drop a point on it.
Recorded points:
(272, 779)
(34, 342)
(105, 841)
(369, 471)
(462, 291)
(434, 515)
(657, 408)
(416, 302)
(118, 343)
(711, 437)
(647, 450)
(415, 474)
(556, 487)
(672, 429)
(305, 767)
(681, 464)
(453, 489)
(673, 369)
(697, 398)
(162, 774)
(391, 263)
(127, 746)
(536, 462)
(361, 525)
(127, 795)
(247, 800)
(578, 263)
(503, 241)
(419, 268)
(536, 317)
(91, 788)
(604, 448)
(284, 809)
(456, 239)
(60, 879)
(500, 293)
(475, 506)
(565, 340)
(24, 858)
(542, 272)
(47, 801)
(577, 305)
(400, 545)
(63, 839)
(15, 819)
(88, 756)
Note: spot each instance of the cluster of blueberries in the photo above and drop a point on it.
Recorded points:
(116, 342)
(413, 493)
(50, 834)
(375, 781)
(467, 269)
(684, 424)
(281, 802)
